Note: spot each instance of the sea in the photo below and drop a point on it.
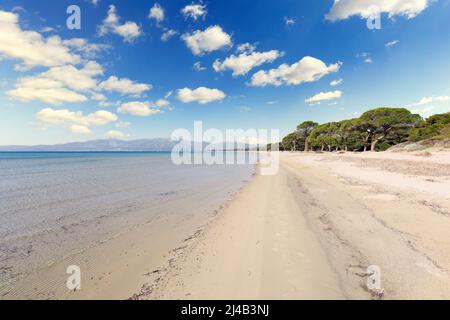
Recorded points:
(53, 204)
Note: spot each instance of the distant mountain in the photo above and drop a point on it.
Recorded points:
(101, 145)
(110, 145)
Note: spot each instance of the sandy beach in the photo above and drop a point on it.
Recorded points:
(311, 231)
(308, 232)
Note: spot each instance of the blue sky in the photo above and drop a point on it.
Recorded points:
(117, 77)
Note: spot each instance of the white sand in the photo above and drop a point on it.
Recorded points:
(311, 231)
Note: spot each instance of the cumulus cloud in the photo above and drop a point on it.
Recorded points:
(124, 86)
(201, 95)
(242, 64)
(343, 9)
(324, 96)
(129, 30)
(30, 47)
(162, 103)
(157, 13)
(76, 128)
(56, 85)
(75, 121)
(115, 134)
(138, 108)
(85, 48)
(98, 96)
(308, 69)
(45, 90)
(213, 38)
(194, 11)
(337, 82)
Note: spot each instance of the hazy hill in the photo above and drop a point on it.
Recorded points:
(101, 145)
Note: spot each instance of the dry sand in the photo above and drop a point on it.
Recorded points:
(311, 231)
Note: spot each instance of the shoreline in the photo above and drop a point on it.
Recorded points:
(308, 233)
(312, 231)
(115, 266)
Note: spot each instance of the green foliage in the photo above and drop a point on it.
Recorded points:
(377, 129)
(382, 122)
(304, 130)
(436, 127)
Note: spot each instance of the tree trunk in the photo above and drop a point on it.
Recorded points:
(373, 145)
(323, 147)
(374, 142)
(306, 145)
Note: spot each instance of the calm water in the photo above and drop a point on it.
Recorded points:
(52, 204)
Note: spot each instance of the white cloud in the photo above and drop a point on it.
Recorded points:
(94, 2)
(198, 66)
(137, 108)
(337, 82)
(194, 11)
(428, 100)
(105, 104)
(98, 96)
(124, 86)
(424, 112)
(76, 128)
(168, 34)
(392, 43)
(162, 103)
(129, 30)
(82, 46)
(289, 21)
(29, 47)
(115, 134)
(45, 90)
(324, 96)
(157, 13)
(242, 64)
(368, 60)
(201, 95)
(343, 9)
(308, 69)
(47, 29)
(78, 79)
(75, 120)
(55, 85)
(246, 47)
(213, 38)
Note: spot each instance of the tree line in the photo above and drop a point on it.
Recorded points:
(375, 130)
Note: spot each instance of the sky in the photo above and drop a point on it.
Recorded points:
(142, 69)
